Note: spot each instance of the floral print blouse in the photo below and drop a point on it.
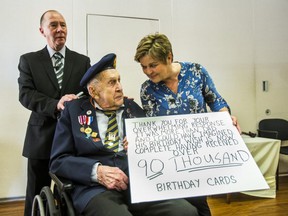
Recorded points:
(195, 90)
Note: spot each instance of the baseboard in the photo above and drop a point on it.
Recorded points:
(12, 199)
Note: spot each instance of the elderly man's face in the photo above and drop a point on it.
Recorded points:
(54, 29)
(108, 92)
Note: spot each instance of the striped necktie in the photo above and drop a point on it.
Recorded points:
(59, 68)
(112, 134)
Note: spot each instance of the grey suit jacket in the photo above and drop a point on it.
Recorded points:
(40, 93)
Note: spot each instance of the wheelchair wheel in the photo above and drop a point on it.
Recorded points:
(49, 202)
(38, 206)
(69, 207)
(64, 202)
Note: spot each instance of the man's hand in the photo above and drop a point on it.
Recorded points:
(112, 178)
(67, 97)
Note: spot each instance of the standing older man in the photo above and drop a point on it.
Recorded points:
(88, 148)
(48, 78)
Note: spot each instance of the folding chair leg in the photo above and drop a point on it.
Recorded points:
(228, 198)
(277, 178)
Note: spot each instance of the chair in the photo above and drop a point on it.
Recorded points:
(56, 202)
(275, 128)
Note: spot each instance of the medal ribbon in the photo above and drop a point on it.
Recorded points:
(82, 119)
(89, 120)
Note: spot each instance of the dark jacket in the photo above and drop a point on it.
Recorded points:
(40, 93)
(74, 154)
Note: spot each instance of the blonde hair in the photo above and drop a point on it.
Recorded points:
(155, 45)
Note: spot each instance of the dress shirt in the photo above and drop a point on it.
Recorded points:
(52, 52)
(102, 121)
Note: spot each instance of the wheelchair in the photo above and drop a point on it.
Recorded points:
(55, 201)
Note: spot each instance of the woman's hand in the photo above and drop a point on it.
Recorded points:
(125, 144)
(236, 124)
(234, 119)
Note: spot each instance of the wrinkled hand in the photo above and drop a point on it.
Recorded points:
(112, 178)
(236, 124)
(67, 97)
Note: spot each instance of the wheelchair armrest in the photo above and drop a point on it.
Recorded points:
(62, 183)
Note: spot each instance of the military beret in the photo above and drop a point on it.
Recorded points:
(106, 62)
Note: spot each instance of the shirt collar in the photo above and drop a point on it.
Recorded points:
(52, 52)
(94, 103)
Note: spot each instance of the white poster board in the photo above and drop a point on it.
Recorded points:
(188, 155)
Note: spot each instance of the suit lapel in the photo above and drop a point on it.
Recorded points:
(47, 64)
(68, 67)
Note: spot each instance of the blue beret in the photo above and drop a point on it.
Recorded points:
(107, 61)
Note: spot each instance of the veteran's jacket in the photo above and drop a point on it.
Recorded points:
(74, 153)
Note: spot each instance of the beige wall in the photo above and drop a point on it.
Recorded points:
(241, 43)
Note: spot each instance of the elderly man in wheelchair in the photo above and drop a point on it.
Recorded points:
(89, 150)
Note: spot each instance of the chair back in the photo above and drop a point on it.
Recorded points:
(273, 127)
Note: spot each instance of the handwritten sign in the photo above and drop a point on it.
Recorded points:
(188, 155)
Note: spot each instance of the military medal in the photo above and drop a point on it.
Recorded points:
(93, 134)
(85, 121)
(82, 121)
(88, 130)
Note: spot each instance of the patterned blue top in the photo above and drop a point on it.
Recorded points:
(195, 90)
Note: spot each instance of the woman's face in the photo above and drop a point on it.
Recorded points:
(156, 71)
